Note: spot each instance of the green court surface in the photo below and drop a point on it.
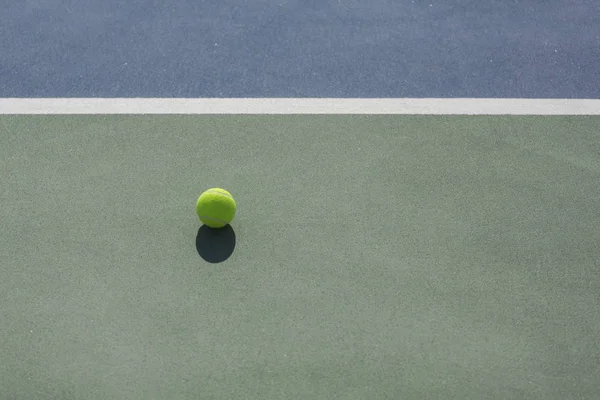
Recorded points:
(372, 257)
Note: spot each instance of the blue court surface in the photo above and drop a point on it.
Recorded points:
(418, 192)
(300, 48)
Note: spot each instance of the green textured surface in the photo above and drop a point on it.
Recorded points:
(390, 257)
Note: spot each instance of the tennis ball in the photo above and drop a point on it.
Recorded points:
(216, 207)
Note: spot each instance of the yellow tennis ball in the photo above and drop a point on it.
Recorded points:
(216, 208)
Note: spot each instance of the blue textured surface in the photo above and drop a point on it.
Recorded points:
(300, 48)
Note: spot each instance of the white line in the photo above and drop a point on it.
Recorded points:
(300, 106)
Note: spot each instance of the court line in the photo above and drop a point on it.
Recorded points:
(409, 106)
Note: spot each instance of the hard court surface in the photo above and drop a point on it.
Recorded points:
(372, 257)
(410, 256)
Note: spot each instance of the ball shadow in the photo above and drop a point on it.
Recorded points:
(215, 245)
